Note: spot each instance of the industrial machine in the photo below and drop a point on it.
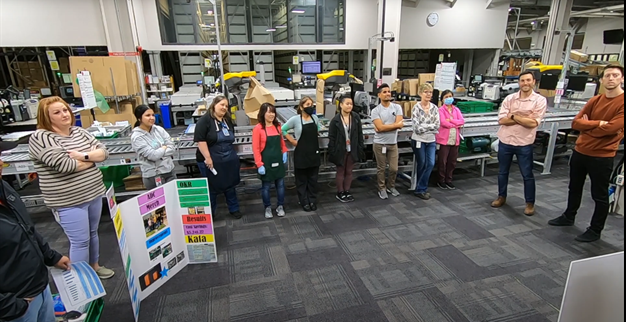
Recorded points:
(337, 82)
(234, 83)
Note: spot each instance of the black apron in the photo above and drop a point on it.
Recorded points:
(225, 161)
(307, 152)
(272, 157)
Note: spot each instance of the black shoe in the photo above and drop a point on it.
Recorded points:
(341, 196)
(442, 186)
(236, 215)
(306, 208)
(562, 222)
(423, 196)
(313, 207)
(450, 186)
(589, 236)
(349, 196)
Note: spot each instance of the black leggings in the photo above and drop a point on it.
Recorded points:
(306, 183)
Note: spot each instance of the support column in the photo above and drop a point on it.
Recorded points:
(556, 35)
(387, 52)
(121, 33)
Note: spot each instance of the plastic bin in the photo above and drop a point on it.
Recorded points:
(476, 107)
(166, 114)
(114, 175)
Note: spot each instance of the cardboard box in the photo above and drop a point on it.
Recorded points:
(408, 109)
(131, 78)
(116, 66)
(547, 93)
(396, 86)
(36, 74)
(579, 57)
(426, 78)
(406, 87)
(109, 75)
(414, 86)
(320, 102)
(23, 66)
(64, 65)
(256, 96)
(33, 64)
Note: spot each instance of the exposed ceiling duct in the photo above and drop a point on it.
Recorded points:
(612, 11)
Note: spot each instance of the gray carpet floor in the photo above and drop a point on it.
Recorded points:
(452, 258)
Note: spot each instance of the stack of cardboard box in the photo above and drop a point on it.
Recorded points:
(111, 76)
(126, 113)
(411, 87)
(32, 75)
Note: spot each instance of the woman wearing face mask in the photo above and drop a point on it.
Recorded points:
(346, 146)
(425, 127)
(154, 149)
(449, 139)
(307, 153)
(270, 156)
(71, 184)
(216, 156)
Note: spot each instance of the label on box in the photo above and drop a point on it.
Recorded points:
(21, 167)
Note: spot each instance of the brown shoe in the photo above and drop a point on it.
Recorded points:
(530, 209)
(501, 201)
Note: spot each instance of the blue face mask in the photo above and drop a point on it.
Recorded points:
(449, 101)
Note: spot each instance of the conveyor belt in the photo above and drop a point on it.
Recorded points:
(120, 150)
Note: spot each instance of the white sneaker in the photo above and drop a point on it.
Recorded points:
(280, 211)
(383, 195)
(393, 192)
(268, 213)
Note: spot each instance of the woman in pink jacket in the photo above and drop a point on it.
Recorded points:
(449, 139)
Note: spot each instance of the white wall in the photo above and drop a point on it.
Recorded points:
(361, 17)
(594, 36)
(468, 25)
(29, 23)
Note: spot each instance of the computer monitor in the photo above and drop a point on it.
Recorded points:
(311, 67)
(614, 37)
(577, 83)
(67, 91)
(549, 82)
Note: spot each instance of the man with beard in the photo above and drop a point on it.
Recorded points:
(601, 126)
(520, 115)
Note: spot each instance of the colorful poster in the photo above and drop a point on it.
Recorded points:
(161, 231)
(193, 196)
(78, 286)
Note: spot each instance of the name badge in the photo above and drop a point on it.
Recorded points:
(384, 150)
(274, 165)
(158, 181)
(225, 131)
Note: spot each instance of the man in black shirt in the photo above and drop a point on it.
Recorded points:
(24, 256)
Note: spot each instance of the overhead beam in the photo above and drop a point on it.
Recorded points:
(599, 12)
(410, 3)
(451, 3)
(493, 3)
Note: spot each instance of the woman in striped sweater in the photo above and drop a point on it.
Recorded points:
(71, 184)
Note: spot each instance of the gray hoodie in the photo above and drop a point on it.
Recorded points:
(153, 158)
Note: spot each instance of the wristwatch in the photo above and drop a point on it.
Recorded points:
(86, 156)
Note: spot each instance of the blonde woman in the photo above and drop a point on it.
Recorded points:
(426, 125)
(71, 184)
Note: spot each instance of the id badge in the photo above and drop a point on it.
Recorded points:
(384, 150)
(225, 131)
(158, 181)
(418, 145)
(275, 165)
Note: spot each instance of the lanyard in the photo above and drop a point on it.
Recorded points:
(224, 127)
(349, 124)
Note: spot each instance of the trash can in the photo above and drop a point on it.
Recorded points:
(166, 114)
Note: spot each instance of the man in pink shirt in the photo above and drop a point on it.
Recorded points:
(520, 115)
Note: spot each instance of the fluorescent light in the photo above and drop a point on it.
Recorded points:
(298, 11)
(210, 12)
(270, 30)
(281, 27)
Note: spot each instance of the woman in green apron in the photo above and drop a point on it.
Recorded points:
(270, 156)
(306, 155)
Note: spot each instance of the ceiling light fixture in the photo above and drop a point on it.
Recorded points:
(281, 27)
(210, 12)
(298, 11)
(270, 30)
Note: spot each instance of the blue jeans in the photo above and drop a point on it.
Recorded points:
(231, 194)
(280, 192)
(80, 224)
(425, 158)
(41, 309)
(524, 156)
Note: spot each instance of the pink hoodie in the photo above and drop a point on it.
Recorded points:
(450, 121)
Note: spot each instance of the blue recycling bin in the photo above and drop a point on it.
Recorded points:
(166, 114)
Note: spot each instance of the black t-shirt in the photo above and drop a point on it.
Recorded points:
(206, 131)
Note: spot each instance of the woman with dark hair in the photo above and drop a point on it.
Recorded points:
(306, 156)
(346, 146)
(216, 155)
(270, 156)
(154, 148)
(449, 139)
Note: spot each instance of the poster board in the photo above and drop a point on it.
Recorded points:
(445, 76)
(595, 290)
(160, 232)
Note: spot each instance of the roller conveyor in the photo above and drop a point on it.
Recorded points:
(120, 150)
